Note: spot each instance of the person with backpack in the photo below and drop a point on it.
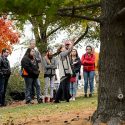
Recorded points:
(5, 72)
(88, 62)
(50, 65)
(75, 65)
(30, 72)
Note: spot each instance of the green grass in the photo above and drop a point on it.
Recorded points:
(21, 112)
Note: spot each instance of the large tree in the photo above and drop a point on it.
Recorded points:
(43, 17)
(111, 92)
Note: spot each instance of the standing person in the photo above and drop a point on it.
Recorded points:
(88, 62)
(96, 67)
(50, 65)
(65, 72)
(38, 58)
(31, 72)
(75, 65)
(5, 72)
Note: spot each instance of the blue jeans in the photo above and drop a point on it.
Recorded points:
(2, 82)
(73, 88)
(28, 85)
(88, 79)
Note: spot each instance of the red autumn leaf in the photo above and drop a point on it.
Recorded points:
(8, 35)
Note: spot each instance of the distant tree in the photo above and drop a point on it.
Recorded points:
(8, 34)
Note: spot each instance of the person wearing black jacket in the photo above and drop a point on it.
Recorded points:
(30, 72)
(5, 72)
(75, 65)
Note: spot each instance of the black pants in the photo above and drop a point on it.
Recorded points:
(63, 91)
(5, 88)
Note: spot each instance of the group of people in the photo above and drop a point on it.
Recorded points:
(67, 61)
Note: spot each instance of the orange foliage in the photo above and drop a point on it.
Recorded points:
(8, 35)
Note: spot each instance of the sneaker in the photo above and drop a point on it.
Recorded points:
(85, 95)
(51, 100)
(90, 95)
(73, 99)
(29, 102)
(46, 100)
(56, 101)
(67, 100)
(40, 101)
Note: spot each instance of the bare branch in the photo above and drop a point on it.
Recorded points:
(121, 14)
(53, 31)
(78, 40)
(122, 11)
(82, 36)
(81, 7)
(80, 17)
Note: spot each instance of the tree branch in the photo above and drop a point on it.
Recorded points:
(79, 39)
(121, 14)
(49, 34)
(81, 7)
(82, 36)
(80, 17)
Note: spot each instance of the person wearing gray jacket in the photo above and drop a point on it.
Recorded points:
(50, 65)
(65, 73)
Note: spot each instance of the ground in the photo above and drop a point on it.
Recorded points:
(73, 113)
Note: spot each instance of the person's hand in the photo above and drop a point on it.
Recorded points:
(72, 44)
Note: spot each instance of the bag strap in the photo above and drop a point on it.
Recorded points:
(63, 64)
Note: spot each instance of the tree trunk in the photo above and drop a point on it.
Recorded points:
(111, 92)
(40, 35)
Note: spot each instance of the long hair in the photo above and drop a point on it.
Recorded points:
(76, 53)
(28, 52)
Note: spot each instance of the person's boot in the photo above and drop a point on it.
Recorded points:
(90, 95)
(51, 100)
(85, 95)
(46, 100)
(56, 101)
(40, 100)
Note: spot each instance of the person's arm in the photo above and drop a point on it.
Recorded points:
(65, 53)
(1, 65)
(78, 63)
(54, 66)
(26, 65)
(92, 61)
(83, 59)
(46, 65)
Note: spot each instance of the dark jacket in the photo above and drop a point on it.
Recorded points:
(5, 70)
(31, 67)
(75, 65)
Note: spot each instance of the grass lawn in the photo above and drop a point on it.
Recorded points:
(28, 111)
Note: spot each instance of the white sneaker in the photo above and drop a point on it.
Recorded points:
(73, 99)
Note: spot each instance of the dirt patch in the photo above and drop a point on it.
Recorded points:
(77, 117)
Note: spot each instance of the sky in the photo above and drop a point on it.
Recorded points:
(19, 50)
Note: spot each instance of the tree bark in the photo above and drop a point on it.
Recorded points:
(111, 92)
